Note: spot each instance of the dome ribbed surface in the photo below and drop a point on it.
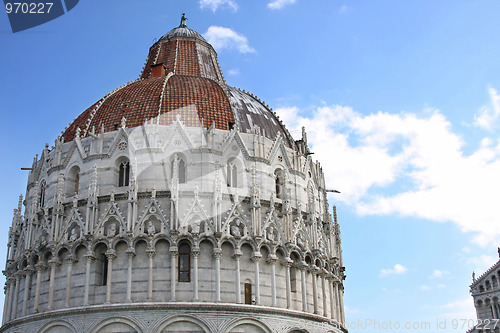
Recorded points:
(181, 77)
(182, 32)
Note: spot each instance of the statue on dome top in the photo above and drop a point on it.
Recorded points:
(183, 21)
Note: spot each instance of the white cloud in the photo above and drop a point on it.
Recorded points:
(344, 10)
(425, 288)
(233, 71)
(458, 304)
(407, 164)
(396, 270)
(438, 273)
(215, 4)
(481, 263)
(488, 116)
(278, 4)
(462, 309)
(225, 38)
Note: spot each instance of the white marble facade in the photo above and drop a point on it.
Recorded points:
(110, 219)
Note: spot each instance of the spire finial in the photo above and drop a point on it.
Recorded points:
(183, 21)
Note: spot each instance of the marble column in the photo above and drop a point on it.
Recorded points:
(332, 297)
(272, 259)
(16, 296)
(70, 260)
(195, 252)
(27, 284)
(110, 255)
(314, 276)
(341, 299)
(53, 263)
(89, 257)
(39, 267)
(217, 255)
(6, 302)
(288, 264)
(337, 302)
(323, 289)
(256, 258)
(303, 281)
(131, 254)
(151, 254)
(237, 274)
(173, 270)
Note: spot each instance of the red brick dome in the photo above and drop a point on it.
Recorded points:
(182, 78)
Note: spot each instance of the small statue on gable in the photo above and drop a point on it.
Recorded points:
(235, 228)
(271, 234)
(151, 228)
(111, 232)
(73, 237)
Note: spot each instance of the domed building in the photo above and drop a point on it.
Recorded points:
(175, 203)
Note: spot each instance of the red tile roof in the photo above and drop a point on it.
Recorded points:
(194, 88)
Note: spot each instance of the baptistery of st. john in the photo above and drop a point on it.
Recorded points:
(175, 203)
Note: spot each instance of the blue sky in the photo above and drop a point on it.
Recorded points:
(400, 102)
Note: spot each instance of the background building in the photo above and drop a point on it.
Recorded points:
(175, 203)
(486, 292)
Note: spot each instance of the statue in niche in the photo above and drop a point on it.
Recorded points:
(111, 232)
(271, 234)
(151, 228)
(196, 227)
(300, 241)
(321, 244)
(235, 228)
(43, 239)
(73, 237)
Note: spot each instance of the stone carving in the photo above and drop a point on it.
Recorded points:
(300, 241)
(151, 228)
(272, 234)
(111, 232)
(73, 237)
(236, 228)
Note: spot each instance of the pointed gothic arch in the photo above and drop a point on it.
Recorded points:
(41, 194)
(279, 183)
(72, 181)
(178, 167)
(124, 173)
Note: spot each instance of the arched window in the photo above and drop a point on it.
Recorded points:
(77, 181)
(41, 198)
(184, 263)
(72, 181)
(124, 174)
(101, 268)
(279, 183)
(181, 169)
(232, 175)
(248, 293)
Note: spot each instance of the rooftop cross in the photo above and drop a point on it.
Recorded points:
(183, 21)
